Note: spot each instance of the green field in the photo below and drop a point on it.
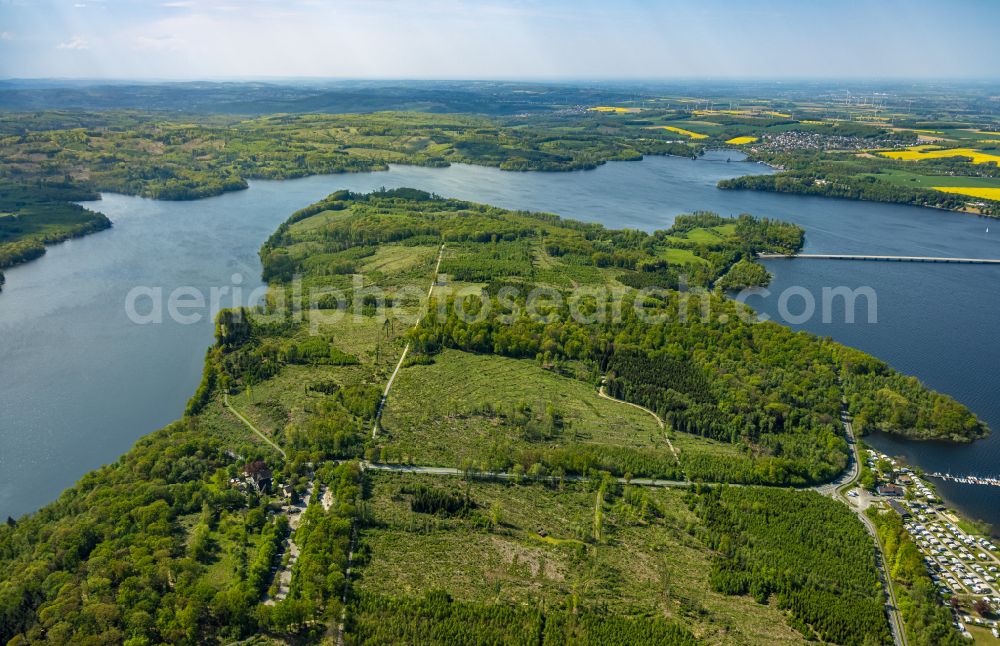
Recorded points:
(918, 180)
(681, 257)
(460, 408)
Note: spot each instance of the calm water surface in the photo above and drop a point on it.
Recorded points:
(82, 382)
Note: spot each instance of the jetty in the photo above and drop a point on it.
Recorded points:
(974, 480)
(841, 256)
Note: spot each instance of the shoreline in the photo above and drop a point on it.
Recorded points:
(978, 525)
(387, 167)
(418, 166)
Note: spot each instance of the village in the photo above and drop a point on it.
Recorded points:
(256, 478)
(964, 566)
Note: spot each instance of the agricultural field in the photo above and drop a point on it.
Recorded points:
(986, 193)
(681, 131)
(902, 177)
(615, 109)
(920, 153)
(744, 113)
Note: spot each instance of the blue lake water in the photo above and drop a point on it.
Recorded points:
(81, 381)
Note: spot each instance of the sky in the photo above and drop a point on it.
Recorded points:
(491, 39)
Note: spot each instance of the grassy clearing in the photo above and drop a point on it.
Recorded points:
(704, 235)
(540, 552)
(395, 260)
(687, 444)
(363, 336)
(682, 257)
(285, 399)
(983, 636)
(444, 413)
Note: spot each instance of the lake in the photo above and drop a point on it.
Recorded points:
(82, 382)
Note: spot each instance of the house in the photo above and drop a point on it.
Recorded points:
(258, 474)
(904, 480)
(899, 509)
(889, 490)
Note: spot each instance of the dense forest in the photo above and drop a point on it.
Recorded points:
(928, 622)
(51, 159)
(176, 160)
(849, 187)
(381, 620)
(767, 546)
(40, 213)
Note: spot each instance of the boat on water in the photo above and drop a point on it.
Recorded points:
(974, 480)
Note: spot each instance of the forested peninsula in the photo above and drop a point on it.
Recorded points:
(516, 343)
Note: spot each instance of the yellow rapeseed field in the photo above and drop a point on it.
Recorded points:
(745, 113)
(987, 132)
(917, 153)
(971, 191)
(682, 131)
(612, 108)
(741, 140)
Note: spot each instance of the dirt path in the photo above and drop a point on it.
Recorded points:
(659, 421)
(225, 400)
(406, 349)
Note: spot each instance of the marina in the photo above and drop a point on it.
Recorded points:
(973, 480)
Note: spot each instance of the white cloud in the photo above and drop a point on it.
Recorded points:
(6, 35)
(74, 43)
(159, 43)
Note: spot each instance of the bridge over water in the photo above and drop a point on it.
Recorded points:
(833, 256)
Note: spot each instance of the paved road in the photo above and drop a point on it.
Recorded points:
(841, 256)
(504, 475)
(284, 575)
(838, 491)
(853, 466)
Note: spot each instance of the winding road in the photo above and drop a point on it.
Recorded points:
(835, 489)
(838, 489)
